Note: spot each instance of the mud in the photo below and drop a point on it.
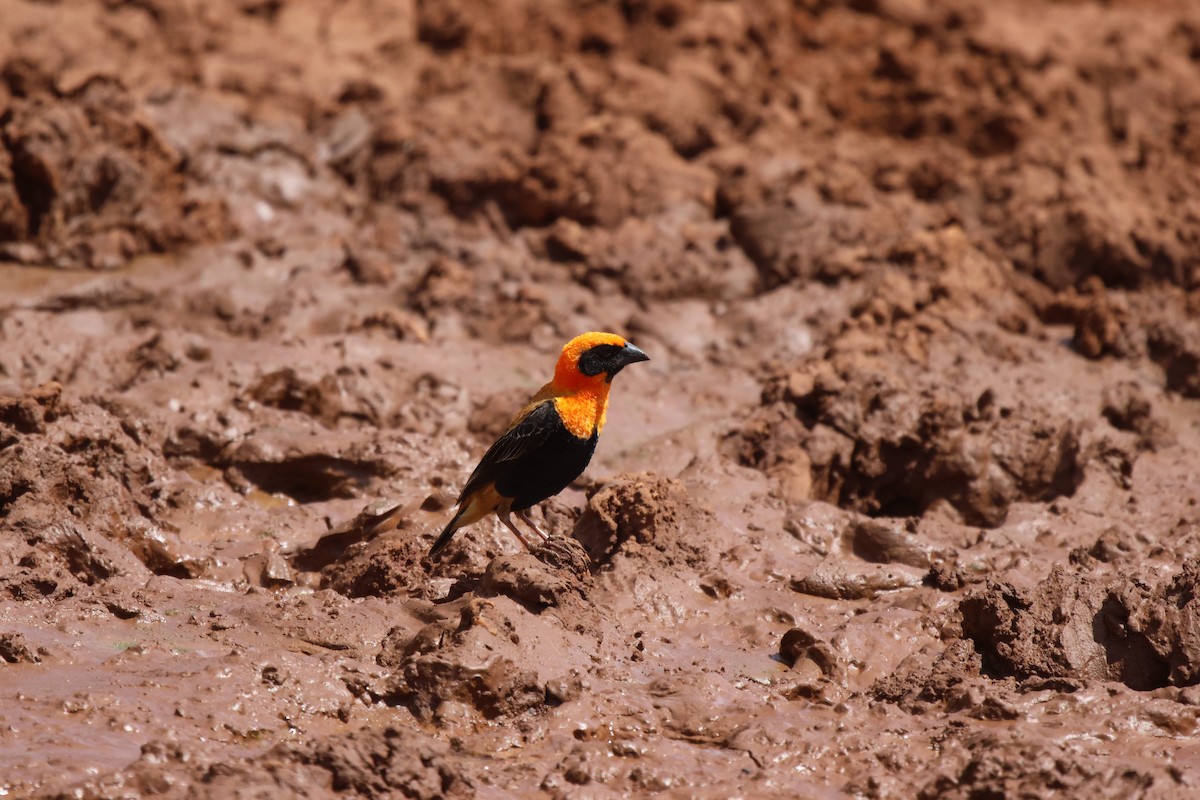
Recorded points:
(905, 504)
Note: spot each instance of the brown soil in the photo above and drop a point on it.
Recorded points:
(905, 504)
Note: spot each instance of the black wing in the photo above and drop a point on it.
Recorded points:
(529, 433)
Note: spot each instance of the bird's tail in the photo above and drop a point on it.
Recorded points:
(471, 509)
(444, 538)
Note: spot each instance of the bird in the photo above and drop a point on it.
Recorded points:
(549, 442)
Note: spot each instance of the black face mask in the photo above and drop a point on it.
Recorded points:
(609, 359)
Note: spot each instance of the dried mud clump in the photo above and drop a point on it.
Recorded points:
(1127, 407)
(554, 573)
(1176, 348)
(644, 517)
(379, 762)
(835, 580)
(640, 257)
(923, 679)
(1102, 321)
(596, 169)
(482, 666)
(1072, 629)
(886, 444)
(73, 480)
(1171, 624)
(29, 413)
(14, 650)
(380, 554)
(919, 400)
(1062, 208)
(388, 564)
(286, 390)
(818, 671)
(86, 179)
(998, 767)
(1082, 628)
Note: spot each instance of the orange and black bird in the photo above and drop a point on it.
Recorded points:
(550, 442)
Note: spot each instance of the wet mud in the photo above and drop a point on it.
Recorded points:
(905, 504)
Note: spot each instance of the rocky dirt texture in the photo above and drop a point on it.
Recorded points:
(905, 504)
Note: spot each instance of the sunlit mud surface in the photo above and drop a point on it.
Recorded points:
(905, 504)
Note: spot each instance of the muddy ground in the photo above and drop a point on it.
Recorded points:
(905, 504)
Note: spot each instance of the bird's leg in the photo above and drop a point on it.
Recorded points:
(524, 517)
(508, 524)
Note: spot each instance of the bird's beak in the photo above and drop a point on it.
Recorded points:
(632, 355)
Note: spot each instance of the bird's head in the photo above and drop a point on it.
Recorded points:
(593, 358)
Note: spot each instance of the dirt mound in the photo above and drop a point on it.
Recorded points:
(1061, 210)
(388, 760)
(559, 570)
(923, 679)
(389, 564)
(1168, 622)
(1176, 348)
(382, 551)
(1082, 628)
(644, 517)
(371, 763)
(886, 442)
(850, 425)
(632, 259)
(498, 660)
(1002, 767)
(73, 481)
(86, 179)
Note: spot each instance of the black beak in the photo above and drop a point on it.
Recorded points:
(632, 355)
